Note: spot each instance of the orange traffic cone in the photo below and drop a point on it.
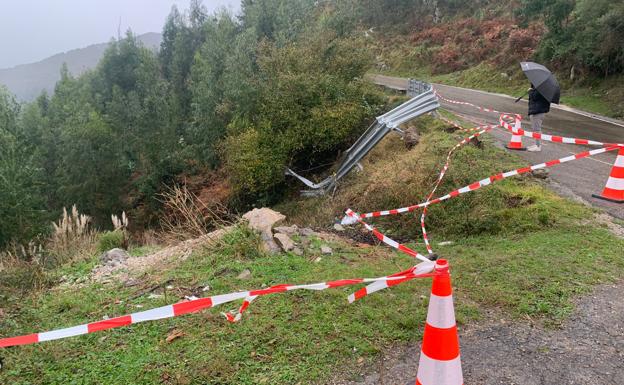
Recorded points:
(516, 139)
(614, 190)
(440, 363)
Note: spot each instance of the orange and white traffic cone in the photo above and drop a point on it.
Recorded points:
(516, 139)
(614, 190)
(440, 363)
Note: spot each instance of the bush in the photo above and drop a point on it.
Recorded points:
(111, 240)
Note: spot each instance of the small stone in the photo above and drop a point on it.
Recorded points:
(114, 255)
(445, 243)
(297, 251)
(307, 232)
(326, 250)
(206, 288)
(284, 241)
(288, 230)
(540, 173)
(338, 227)
(318, 259)
(154, 296)
(245, 274)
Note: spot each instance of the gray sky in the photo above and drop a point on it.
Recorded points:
(31, 30)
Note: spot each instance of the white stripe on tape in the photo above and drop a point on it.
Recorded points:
(224, 298)
(153, 314)
(510, 173)
(434, 372)
(63, 333)
(440, 313)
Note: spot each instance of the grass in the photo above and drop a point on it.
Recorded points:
(517, 248)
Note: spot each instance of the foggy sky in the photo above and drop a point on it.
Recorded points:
(31, 30)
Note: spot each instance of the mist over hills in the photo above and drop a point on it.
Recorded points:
(26, 81)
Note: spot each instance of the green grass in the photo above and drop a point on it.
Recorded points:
(517, 248)
(298, 337)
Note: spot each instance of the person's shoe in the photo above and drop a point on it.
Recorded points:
(535, 148)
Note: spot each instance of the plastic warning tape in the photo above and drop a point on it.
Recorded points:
(461, 143)
(506, 116)
(515, 118)
(355, 217)
(481, 183)
(195, 305)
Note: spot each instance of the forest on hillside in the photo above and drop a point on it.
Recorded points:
(229, 101)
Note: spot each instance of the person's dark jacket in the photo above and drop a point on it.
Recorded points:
(537, 103)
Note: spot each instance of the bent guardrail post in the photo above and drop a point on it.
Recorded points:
(424, 101)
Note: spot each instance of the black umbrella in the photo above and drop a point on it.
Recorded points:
(543, 80)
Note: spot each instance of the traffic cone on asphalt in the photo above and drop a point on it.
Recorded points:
(516, 139)
(614, 190)
(440, 363)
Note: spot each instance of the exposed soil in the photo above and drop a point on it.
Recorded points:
(587, 349)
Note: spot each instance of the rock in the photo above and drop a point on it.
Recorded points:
(540, 173)
(114, 255)
(288, 230)
(411, 137)
(445, 243)
(504, 75)
(263, 220)
(318, 259)
(284, 241)
(297, 251)
(326, 250)
(307, 232)
(338, 227)
(245, 274)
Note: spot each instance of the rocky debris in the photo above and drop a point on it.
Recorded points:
(245, 274)
(540, 173)
(284, 241)
(114, 257)
(338, 227)
(133, 266)
(326, 250)
(297, 251)
(411, 137)
(318, 259)
(307, 232)
(263, 220)
(288, 230)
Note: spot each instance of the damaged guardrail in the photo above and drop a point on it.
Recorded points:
(424, 102)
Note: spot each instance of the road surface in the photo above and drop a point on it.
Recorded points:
(580, 178)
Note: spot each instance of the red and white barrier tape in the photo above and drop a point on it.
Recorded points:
(422, 270)
(477, 185)
(483, 129)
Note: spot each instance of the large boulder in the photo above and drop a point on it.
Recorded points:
(262, 221)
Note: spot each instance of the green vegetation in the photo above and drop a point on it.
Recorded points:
(110, 240)
(225, 105)
(301, 336)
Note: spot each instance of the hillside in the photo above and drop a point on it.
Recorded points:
(26, 81)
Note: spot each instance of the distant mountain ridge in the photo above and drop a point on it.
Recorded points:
(26, 81)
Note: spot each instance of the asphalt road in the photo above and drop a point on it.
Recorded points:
(578, 179)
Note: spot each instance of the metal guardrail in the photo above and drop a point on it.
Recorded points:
(424, 101)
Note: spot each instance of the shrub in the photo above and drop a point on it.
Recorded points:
(186, 216)
(111, 240)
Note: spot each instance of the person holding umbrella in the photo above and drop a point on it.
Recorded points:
(544, 90)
